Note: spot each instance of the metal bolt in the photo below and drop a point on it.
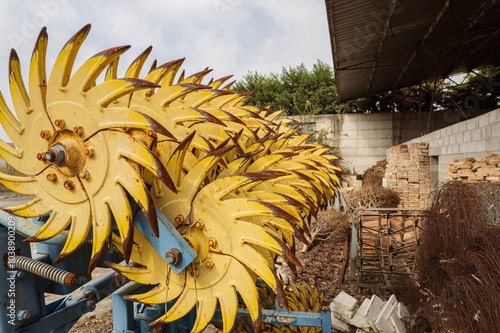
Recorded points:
(59, 123)
(152, 134)
(78, 130)
(89, 151)
(84, 174)
(90, 305)
(51, 177)
(198, 225)
(45, 134)
(23, 314)
(212, 242)
(69, 185)
(179, 219)
(173, 257)
(57, 155)
(209, 263)
(39, 156)
(195, 273)
(20, 274)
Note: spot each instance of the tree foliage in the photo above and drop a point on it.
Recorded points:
(304, 92)
(296, 89)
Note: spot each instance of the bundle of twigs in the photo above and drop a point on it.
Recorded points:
(458, 259)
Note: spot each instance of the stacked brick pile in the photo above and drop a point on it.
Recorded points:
(409, 174)
(475, 170)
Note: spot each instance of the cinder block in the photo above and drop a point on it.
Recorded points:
(398, 325)
(402, 312)
(382, 323)
(341, 312)
(359, 320)
(374, 307)
(345, 301)
(339, 324)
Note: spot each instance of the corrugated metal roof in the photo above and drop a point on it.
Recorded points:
(383, 45)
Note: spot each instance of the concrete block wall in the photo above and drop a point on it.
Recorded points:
(363, 139)
(360, 139)
(475, 137)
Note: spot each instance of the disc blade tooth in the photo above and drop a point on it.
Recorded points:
(168, 94)
(154, 65)
(204, 313)
(134, 185)
(201, 97)
(156, 295)
(273, 116)
(229, 85)
(37, 75)
(217, 83)
(176, 161)
(184, 304)
(228, 302)
(56, 223)
(254, 234)
(24, 185)
(10, 123)
(20, 98)
(80, 227)
(200, 171)
(112, 71)
(122, 213)
(196, 77)
(101, 228)
(61, 71)
(245, 285)
(137, 274)
(165, 73)
(181, 77)
(254, 261)
(85, 76)
(135, 68)
(110, 90)
(126, 146)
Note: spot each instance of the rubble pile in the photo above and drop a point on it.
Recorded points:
(475, 169)
(373, 315)
(408, 173)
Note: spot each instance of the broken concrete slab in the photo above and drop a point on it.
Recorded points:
(345, 301)
(341, 313)
(402, 312)
(398, 325)
(339, 324)
(359, 320)
(382, 323)
(371, 313)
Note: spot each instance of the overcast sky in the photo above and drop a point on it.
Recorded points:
(230, 36)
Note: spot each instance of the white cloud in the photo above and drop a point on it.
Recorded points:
(230, 36)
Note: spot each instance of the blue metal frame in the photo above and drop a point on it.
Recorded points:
(132, 317)
(169, 239)
(128, 317)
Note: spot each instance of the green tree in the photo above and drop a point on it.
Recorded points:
(294, 89)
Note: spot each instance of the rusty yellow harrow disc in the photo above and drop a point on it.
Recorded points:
(239, 183)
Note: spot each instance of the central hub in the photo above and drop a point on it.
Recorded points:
(57, 155)
(68, 153)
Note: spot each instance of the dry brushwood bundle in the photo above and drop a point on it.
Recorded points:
(329, 224)
(458, 260)
(374, 174)
(372, 197)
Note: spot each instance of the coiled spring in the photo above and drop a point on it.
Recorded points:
(44, 270)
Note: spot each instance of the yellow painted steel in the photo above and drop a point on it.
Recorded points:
(239, 183)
